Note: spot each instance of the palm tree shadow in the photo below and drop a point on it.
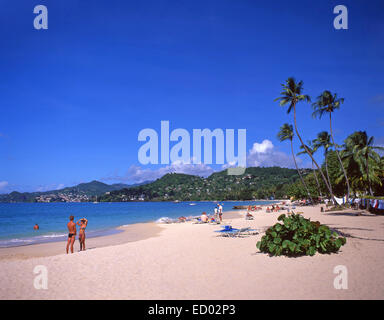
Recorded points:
(348, 235)
(350, 214)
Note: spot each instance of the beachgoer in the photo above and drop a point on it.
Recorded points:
(182, 219)
(220, 212)
(83, 224)
(36, 227)
(248, 216)
(72, 233)
(204, 217)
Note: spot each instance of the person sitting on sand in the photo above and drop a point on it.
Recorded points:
(182, 219)
(83, 224)
(204, 218)
(267, 210)
(36, 227)
(72, 233)
(248, 216)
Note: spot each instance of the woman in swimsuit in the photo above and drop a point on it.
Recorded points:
(83, 224)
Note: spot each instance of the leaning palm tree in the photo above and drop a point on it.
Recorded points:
(323, 140)
(286, 133)
(360, 148)
(292, 94)
(328, 103)
(312, 149)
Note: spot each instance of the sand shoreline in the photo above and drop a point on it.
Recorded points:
(129, 233)
(190, 261)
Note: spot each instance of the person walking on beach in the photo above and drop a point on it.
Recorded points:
(83, 224)
(72, 233)
(216, 212)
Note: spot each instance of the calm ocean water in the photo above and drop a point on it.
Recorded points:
(17, 219)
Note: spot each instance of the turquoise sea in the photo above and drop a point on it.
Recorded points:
(17, 219)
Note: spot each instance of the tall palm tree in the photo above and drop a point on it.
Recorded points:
(292, 94)
(312, 149)
(328, 103)
(286, 133)
(323, 140)
(360, 148)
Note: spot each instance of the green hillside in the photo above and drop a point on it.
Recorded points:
(255, 183)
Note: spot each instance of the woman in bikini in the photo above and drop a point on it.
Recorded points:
(83, 224)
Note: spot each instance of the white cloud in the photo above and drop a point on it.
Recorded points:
(49, 187)
(265, 154)
(263, 147)
(3, 184)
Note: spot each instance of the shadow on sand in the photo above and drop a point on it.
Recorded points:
(351, 214)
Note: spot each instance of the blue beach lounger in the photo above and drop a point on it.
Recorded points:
(228, 231)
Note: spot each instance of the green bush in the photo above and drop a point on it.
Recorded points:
(298, 236)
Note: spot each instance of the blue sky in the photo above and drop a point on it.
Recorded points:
(73, 98)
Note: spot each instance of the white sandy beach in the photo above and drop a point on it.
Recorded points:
(189, 261)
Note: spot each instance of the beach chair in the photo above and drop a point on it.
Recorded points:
(233, 232)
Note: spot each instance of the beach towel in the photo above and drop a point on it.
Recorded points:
(381, 205)
(339, 201)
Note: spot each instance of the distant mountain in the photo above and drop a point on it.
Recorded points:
(81, 192)
(256, 182)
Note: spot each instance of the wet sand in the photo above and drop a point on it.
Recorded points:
(129, 233)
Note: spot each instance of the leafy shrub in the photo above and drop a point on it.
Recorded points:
(298, 236)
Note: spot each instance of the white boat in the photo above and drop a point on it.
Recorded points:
(192, 204)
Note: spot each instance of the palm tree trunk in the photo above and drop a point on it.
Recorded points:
(369, 180)
(310, 154)
(301, 178)
(317, 181)
(326, 170)
(338, 156)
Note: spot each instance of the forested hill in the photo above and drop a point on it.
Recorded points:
(80, 193)
(255, 183)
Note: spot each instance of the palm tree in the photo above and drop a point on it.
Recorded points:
(292, 94)
(328, 103)
(359, 147)
(286, 133)
(323, 140)
(312, 149)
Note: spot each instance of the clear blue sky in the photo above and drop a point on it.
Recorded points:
(74, 97)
